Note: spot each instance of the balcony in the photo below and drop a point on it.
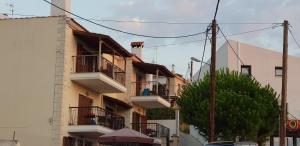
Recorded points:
(151, 94)
(98, 74)
(154, 130)
(93, 121)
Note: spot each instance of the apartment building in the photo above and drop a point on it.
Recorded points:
(265, 65)
(64, 85)
(155, 87)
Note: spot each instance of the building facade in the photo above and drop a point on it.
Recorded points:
(263, 64)
(63, 85)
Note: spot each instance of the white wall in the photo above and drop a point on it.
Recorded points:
(263, 62)
(221, 62)
(194, 132)
(167, 123)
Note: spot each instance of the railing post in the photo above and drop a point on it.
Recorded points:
(113, 68)
(99, 56)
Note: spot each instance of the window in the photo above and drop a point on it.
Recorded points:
(246, 69)
(278, 71)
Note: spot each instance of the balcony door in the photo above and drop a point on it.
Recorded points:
(86, 61)
(144, 124)
(84, 110)
(138, 87)
(136, 121)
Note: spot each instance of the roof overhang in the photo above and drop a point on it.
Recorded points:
(94, 38)
(150, 68)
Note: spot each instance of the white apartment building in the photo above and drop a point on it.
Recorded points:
(264, 64)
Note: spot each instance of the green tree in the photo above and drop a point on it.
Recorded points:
(244, 108)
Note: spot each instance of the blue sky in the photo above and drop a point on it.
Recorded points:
(269, 11)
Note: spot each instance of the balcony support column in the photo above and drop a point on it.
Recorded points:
(100, 54)
(157, 73)
(168, 89)
(125, 63)
(113, 61)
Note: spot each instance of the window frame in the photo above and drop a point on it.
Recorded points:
(276, 68)
(247, 67)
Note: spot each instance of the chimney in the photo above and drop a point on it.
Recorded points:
(64, 4)
(137, 48)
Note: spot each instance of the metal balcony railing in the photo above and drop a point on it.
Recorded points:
(149, 88)
(152, 129)
(91, 63)
(95, 116)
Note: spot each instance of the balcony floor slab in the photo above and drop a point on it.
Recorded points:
(98, 82)
(150, 102)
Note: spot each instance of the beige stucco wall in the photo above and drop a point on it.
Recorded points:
(27, 62)
(71, 90)
(176, 85)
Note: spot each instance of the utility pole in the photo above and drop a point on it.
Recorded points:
(284, 84)
(191, 73)
(212, 101)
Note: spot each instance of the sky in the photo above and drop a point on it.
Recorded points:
(230, 16)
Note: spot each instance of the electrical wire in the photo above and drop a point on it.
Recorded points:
(125, 32)
(239, 58)
(200, 40)
(202, 58)
(242, 60)
(156, 22)
(231, 46)
(295, 40)
(216, 12)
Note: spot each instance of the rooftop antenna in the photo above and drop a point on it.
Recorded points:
(11, 8)
(156, 55)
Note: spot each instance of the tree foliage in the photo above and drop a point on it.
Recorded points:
(244, 108)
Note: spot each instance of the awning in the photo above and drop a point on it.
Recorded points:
(125, 135)
(118, 102)
(93, 40)
(150, 68)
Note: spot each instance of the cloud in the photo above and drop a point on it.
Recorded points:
(203, 11)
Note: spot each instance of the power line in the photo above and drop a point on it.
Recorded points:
(200, 40)
(202, 58)
(231, 46)
(237, 55)
(178, 23)
(158, 22)
(294, 38)
(216, 12)
(121, 31)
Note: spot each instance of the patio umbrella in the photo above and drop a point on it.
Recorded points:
(126, 135)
